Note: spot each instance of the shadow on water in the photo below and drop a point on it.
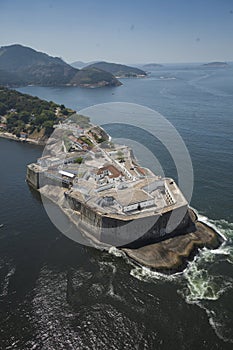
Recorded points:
(34, 193)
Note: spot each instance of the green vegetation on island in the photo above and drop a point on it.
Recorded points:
(152, 66)
(119, 70)
(216, 64)
(20, 65)
(81, 64)
(94, 77)
(26, 116)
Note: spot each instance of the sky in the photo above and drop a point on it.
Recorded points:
(123, 31)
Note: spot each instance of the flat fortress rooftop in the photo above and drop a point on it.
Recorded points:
(128, 203)
(131, 196)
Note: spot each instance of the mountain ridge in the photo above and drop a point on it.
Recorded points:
(21, 65)
(118, 70)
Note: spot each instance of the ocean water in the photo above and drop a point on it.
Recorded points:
(57, 294)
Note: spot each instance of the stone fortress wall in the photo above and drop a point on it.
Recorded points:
(117, 231)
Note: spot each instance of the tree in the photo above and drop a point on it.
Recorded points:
(120, 156)
(48, 125)
(24, 116)
(78, 160)
(3, 108)
(29, 110)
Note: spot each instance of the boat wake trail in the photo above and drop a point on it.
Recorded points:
(7, 269)
(197, 83)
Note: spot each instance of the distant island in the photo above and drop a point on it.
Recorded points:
(215, 64)
(81, 64)
(20, 65)
(27, 118)
(78, 64)
(151, 66)
(118, 70)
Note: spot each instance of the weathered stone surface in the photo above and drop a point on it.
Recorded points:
(173, 253)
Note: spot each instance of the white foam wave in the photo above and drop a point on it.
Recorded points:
(225, 229)
(143, 273)
(111, 292)
(218, 327)
(217, 225)
(147, 275)
(109, 264)
(201, 285)
(116, 252)
(6, 281)
(219, 322)
(167, 78)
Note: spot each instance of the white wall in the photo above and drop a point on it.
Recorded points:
(142, 204)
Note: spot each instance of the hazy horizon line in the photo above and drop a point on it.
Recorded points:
(149, 61)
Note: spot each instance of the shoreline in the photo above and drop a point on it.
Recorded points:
(9, 136)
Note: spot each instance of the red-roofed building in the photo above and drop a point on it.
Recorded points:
(109, 170)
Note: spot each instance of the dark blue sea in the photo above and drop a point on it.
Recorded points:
(57, 294)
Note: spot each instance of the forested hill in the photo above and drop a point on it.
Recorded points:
(119, 70)
(20, 65)
(22, 113)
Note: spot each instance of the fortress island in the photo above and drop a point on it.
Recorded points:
(113, 201)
